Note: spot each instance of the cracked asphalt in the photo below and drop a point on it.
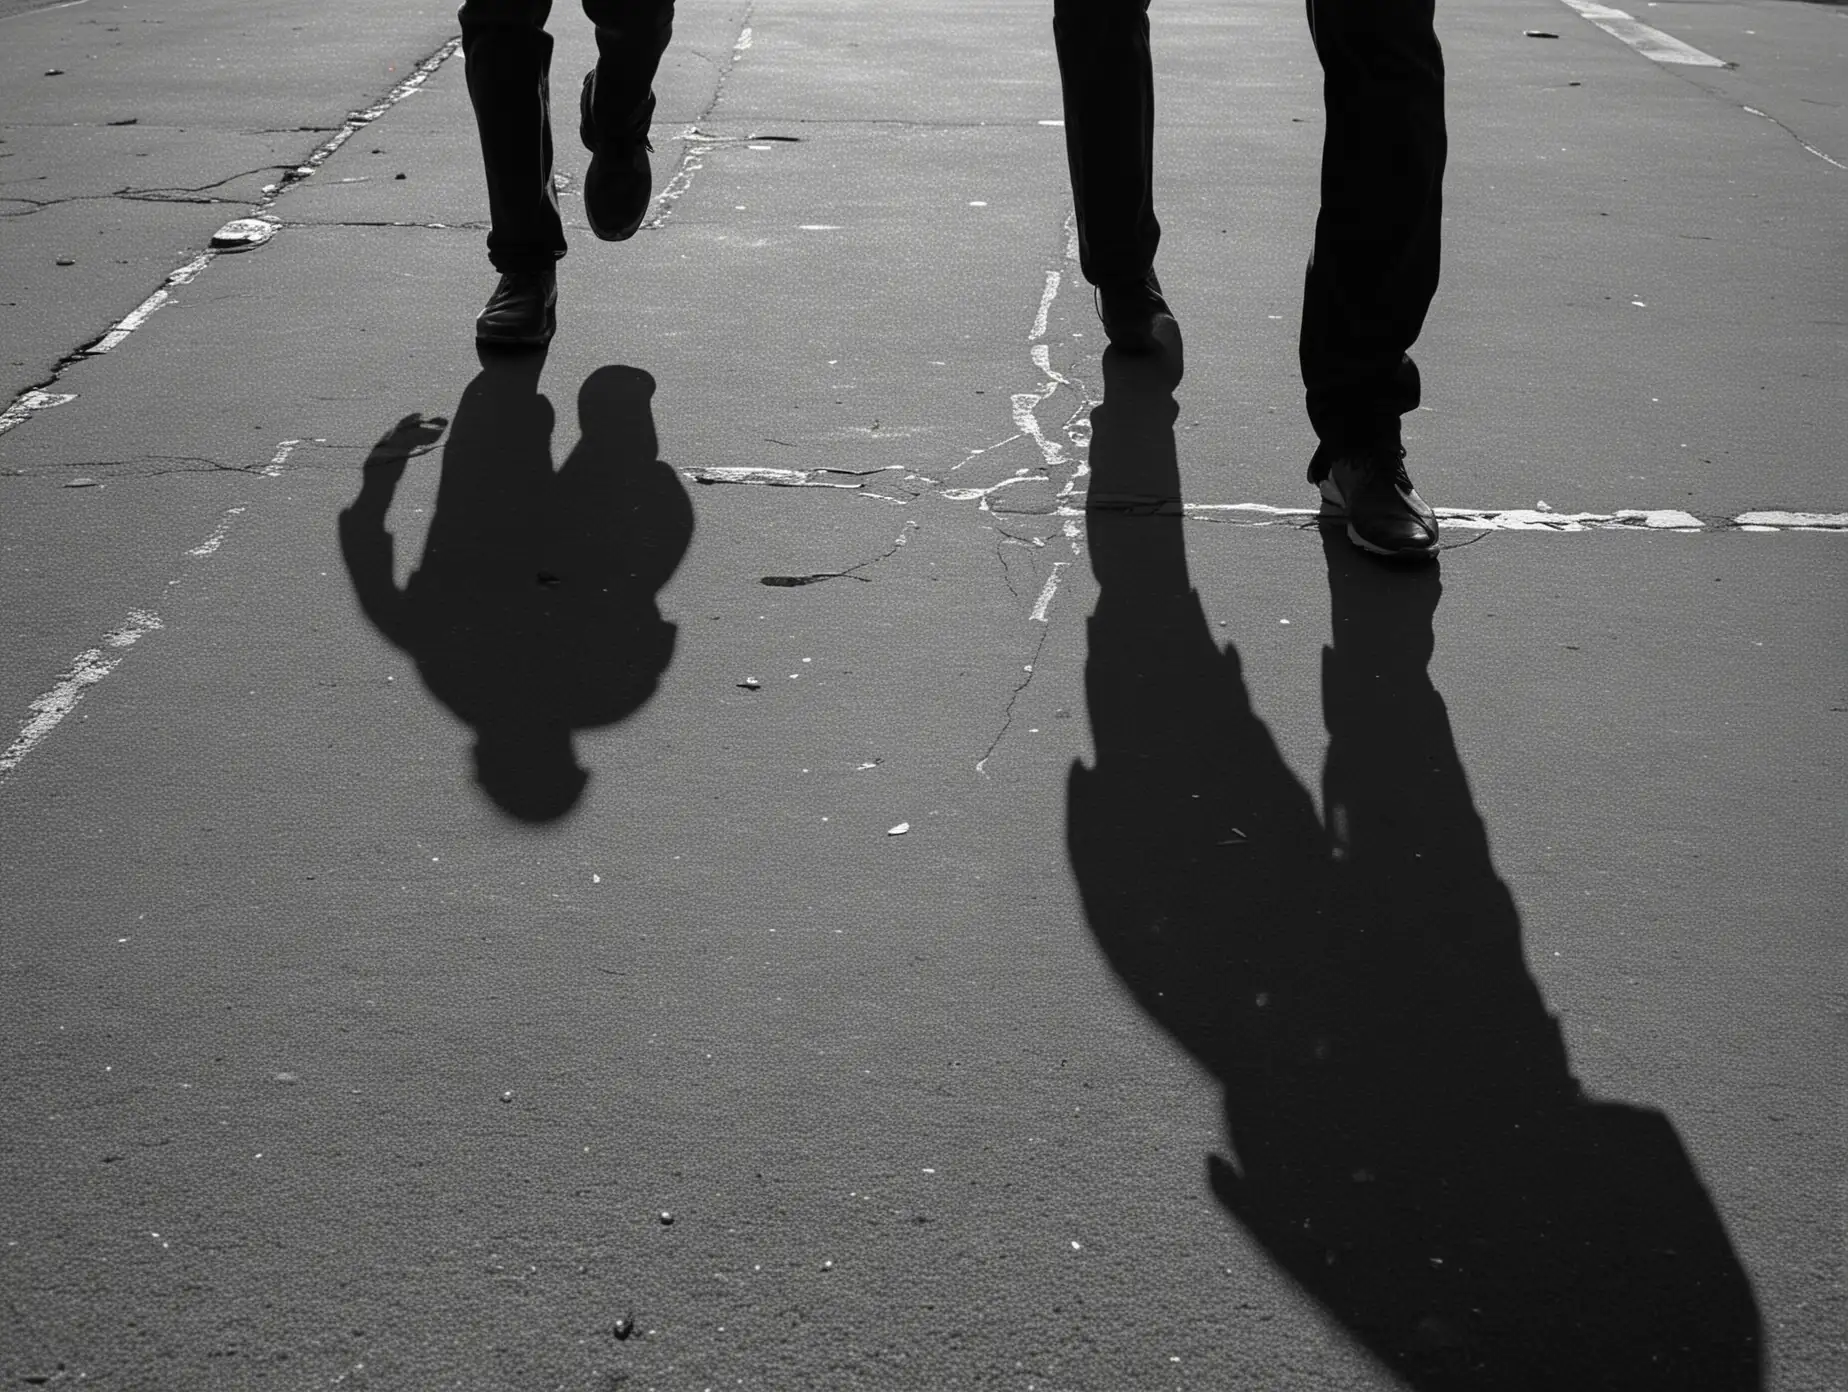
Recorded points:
(822, 833)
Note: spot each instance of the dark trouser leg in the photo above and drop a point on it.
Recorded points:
(1109, 87)
(631, 37)
(1375, 265)
(507, 55)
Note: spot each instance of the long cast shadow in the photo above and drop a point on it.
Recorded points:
(1408, 1142)
(533, 611)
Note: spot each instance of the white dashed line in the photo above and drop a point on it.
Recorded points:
(30, 403)
(89, 668)
(1650, 42)
(1046, 298)
(92, 665)
(1047, 591)
(210, 545)
(1501, 519)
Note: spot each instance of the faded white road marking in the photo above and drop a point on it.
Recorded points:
(43, 9)
(1039, 320)
(1792, 521)
(696, 141)
(283, 450)
(1650, 42)
(211, 544)
(1047, 591)
(1496, 519)
(358, 120)
(94, 664)
(90, 667)
(775, 478)
(140, 314)
(30, 402)
(1767, 116)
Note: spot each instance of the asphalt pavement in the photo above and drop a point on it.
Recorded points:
(824, 833)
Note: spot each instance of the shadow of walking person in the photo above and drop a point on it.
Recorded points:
(1408, 1142)
(532, 613)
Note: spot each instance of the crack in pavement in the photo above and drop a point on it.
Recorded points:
(851, 573)
(1765, 115)
(1007, 716)
(692, 155)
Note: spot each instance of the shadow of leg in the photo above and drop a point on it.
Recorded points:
(1408, 1142)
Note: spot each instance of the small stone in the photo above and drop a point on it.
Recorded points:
(667, 1219)
(827, 1266)
(241, 234)
(66, 261)
(898, 830)
(506, 1097)
(399, 176)
(81, 483)
(752, 683)
(54, 72)
(624, 1327)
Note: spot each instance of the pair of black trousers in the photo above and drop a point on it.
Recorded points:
(1374, 268)
(508, 57)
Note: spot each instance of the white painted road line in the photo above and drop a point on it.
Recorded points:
(1504, 519)
(30, 402)
(1650, 42)
(37, 398)
(93, 664)
(1767, 116)
(1047, 591)
(139, 315)
(89, 668)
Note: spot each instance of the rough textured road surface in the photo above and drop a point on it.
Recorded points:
(825, 834)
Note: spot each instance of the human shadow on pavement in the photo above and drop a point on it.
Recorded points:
(1408, 1142)
(533, 611)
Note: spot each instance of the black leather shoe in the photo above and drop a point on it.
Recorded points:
(619, 185)
(1136, 317)
(522, 312)
(1372, 493)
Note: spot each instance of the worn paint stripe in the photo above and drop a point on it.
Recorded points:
(1767, 116)
(1652, 43)
(1496, 519)
(91, 666)
(774, 478)
(1793, 521)
(1045, 307)
(1047, 591)
(142, 312)
(210, 545)
(29, 403)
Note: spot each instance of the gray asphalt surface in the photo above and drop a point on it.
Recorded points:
(787, 872)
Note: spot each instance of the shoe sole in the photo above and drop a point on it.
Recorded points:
(1334, 509)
